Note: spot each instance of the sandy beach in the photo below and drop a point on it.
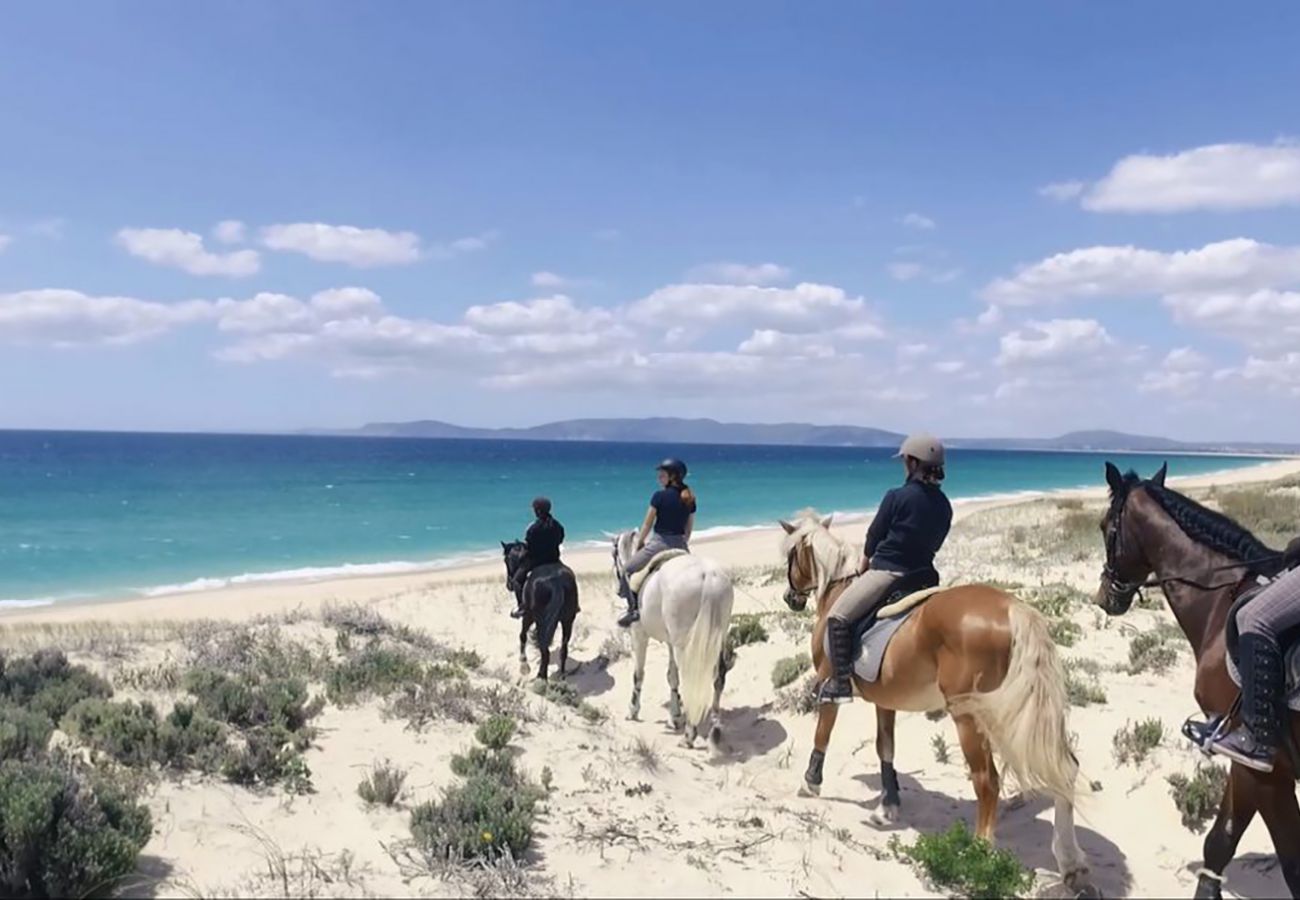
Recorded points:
(630, 812)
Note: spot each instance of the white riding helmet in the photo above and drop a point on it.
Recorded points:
(924, 447)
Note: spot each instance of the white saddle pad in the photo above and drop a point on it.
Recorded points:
(638, 579)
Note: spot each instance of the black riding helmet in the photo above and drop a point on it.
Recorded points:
(672, 466)
(542, 506)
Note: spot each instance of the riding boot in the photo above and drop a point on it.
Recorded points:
(839, 687)
(1255, 742)
(633, 613)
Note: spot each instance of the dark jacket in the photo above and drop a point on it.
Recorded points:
(910, 527)
(543, 540)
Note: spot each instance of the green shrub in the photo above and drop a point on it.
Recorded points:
(1197, 798)
(47, 684)
(23, 733)
(940, 749)
(495, 733)
(1151, 651)
(1056, 601)
(787, 670)
(482, 761)
(246, 702)
(266, 759)
(1272, 515)
(1081, 683)
(565, 695)
(955, 860)
(374, 671)
(128, 732)
(383, 786)
(1134, 741)
(484, 818)
(746, 629)
(63, 834)
(1064, 632)
(188, 739)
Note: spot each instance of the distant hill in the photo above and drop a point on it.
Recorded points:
(710, 431)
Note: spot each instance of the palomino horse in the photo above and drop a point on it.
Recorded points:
(975, 650)
(686, 604)
(1202, 560)
(550, 597)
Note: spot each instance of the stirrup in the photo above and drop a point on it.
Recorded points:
(1204, 734)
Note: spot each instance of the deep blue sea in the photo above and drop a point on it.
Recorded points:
(98, 514)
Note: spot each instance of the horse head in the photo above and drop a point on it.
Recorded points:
(1125, 568)
(803, 574)
(513, 552)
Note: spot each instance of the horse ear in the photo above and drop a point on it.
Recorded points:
(789, 529)
(826, 522)
(1158, 479)
(505, 546)
(1114, 478)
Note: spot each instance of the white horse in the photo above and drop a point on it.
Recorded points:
(686, 604)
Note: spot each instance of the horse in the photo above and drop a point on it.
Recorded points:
(550, 596)
(978, 652)
(1202, 560)
(686, 604)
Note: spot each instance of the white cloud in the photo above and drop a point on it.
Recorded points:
(347, 302)
(917, 221)
(1059, 341)
(1281, 372)
(545, 315)
(912, 351)
(64, 318)
(1215, 177)
(229, 231)
(1061, 191)
(184, 250)
(950, 366)
(462, 246)
(358, 247)
(1239, 264)
(910, 271)
(1258, 318)
(51, 228)
(802, 308)
(769, 342)
(549, 280)
(739, 273)
(1181, 372)
(5, 240)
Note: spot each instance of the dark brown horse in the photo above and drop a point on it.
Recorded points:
(974, 650)
(1202, 560)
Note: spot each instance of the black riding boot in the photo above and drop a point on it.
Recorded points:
(1254, 743)
(839, 687)
(633, 613)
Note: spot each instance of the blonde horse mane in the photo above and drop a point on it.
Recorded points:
(833, 558)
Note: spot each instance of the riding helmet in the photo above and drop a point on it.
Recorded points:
(673, 466)
(923, 447)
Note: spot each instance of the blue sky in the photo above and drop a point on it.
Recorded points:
(1012, 218)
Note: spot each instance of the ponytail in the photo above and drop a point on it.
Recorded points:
(687, 495)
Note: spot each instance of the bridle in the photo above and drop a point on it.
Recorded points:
(794, 595)
(1120, 593)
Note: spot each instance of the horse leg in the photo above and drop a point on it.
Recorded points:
(545, 666)
(890, 803)
(1282, 816)
(566, 631)
(719, 683)
(812, 778)
(640, 641)
(983, 775)
(1070, 859)
(1237, 808)
(674, 695)
(524, 624)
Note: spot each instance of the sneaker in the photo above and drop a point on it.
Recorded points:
(1241, 746)
(835, 690)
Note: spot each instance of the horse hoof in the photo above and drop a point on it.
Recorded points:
(523, 668)
(715, 735)
(810, 790)
(634, 716)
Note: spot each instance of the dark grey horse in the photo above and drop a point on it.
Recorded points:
(550, 597)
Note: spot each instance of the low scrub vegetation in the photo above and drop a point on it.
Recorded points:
(787, 670)
(1197, 796)
(1136, 740)
(958, 863)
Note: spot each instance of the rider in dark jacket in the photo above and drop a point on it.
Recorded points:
(542, 546)
(909, 528)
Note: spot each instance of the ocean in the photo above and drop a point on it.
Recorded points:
(86, 515)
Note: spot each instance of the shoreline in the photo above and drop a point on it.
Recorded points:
(737, 546)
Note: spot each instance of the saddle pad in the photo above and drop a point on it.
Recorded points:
(638, 579)
(907, 603)
(871, 652)
(1292, 669)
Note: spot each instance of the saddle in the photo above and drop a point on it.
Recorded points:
(872, 634)
(637, 580)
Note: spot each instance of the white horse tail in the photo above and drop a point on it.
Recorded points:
(698, 660)
(1024, 717)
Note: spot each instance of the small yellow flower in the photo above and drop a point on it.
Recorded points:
(487, 837)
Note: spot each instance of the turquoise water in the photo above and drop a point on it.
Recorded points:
(93, 514)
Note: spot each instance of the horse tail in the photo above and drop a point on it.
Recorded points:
(699, 659)
(1024, 717)
(558, 587)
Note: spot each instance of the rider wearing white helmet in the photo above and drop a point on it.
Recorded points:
(909, 528)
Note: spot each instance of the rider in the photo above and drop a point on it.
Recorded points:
(909, 528)
(1262, 623)
(541, 546)
(672, 516)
